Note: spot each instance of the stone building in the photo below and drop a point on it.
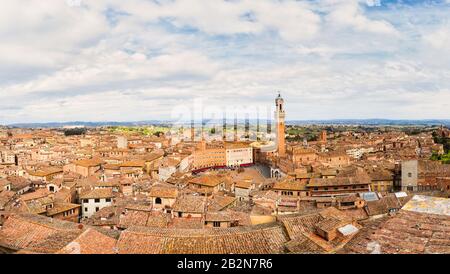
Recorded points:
(94, 200)
(419, 175)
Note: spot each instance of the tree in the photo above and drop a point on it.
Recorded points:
(74, 131)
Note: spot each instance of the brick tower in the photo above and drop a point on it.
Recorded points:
(280, 119)
(323, 136)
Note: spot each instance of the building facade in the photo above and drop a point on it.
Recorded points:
(238, 154)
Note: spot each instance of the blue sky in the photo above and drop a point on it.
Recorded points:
(66, 60)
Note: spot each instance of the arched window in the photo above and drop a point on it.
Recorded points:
(158, 201)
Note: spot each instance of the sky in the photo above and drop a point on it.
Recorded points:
(134, 60)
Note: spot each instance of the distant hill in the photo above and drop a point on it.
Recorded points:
(375, 122)
(368, 122)
(85, 124)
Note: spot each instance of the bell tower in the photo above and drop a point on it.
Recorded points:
(280, 120)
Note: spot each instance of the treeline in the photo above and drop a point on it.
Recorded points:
(445, 159)
(74, 131)
(438, 139)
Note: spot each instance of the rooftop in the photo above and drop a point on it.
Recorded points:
(415, 229)
(97, 193)
(429, 205)
(260, 239)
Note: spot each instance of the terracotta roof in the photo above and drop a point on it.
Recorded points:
(296, 224)
(26, 230)
(137, 163)
(6, 197)
(3, 183)
(210, 181)
(261, 239)
(38, 193)
(382, 206)
(338, 181)
(90, 242)
(246, 184)
(112, 166)
(222, 216)
(32, 233)
(219, 202)
(408, 232)
(45, 172)
(88, 162)
(381, 175)
(153, 156)
(142, 218)
(163, 192)
(63, 195)
(187, 223)
(98, 193)
(328, 224)
(61, 207)
(289, 184)
(190, 204)
(302, 230)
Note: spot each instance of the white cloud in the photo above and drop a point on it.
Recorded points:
(45, 33)
(439, 39)
(137, 60)
(99, 68)
(348, 14)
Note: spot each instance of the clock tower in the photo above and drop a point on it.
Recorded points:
(280, 122)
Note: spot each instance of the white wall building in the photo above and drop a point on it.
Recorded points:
(94, 200)
(238, 154)
(122, 142)
(357, 153)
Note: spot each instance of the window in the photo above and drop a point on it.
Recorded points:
(180, 214)
(108, 200)
(158, 201)
(85, 209)
(97, 209)
(85, 201)
(409, 174)
(97, 200)
(216, 224)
